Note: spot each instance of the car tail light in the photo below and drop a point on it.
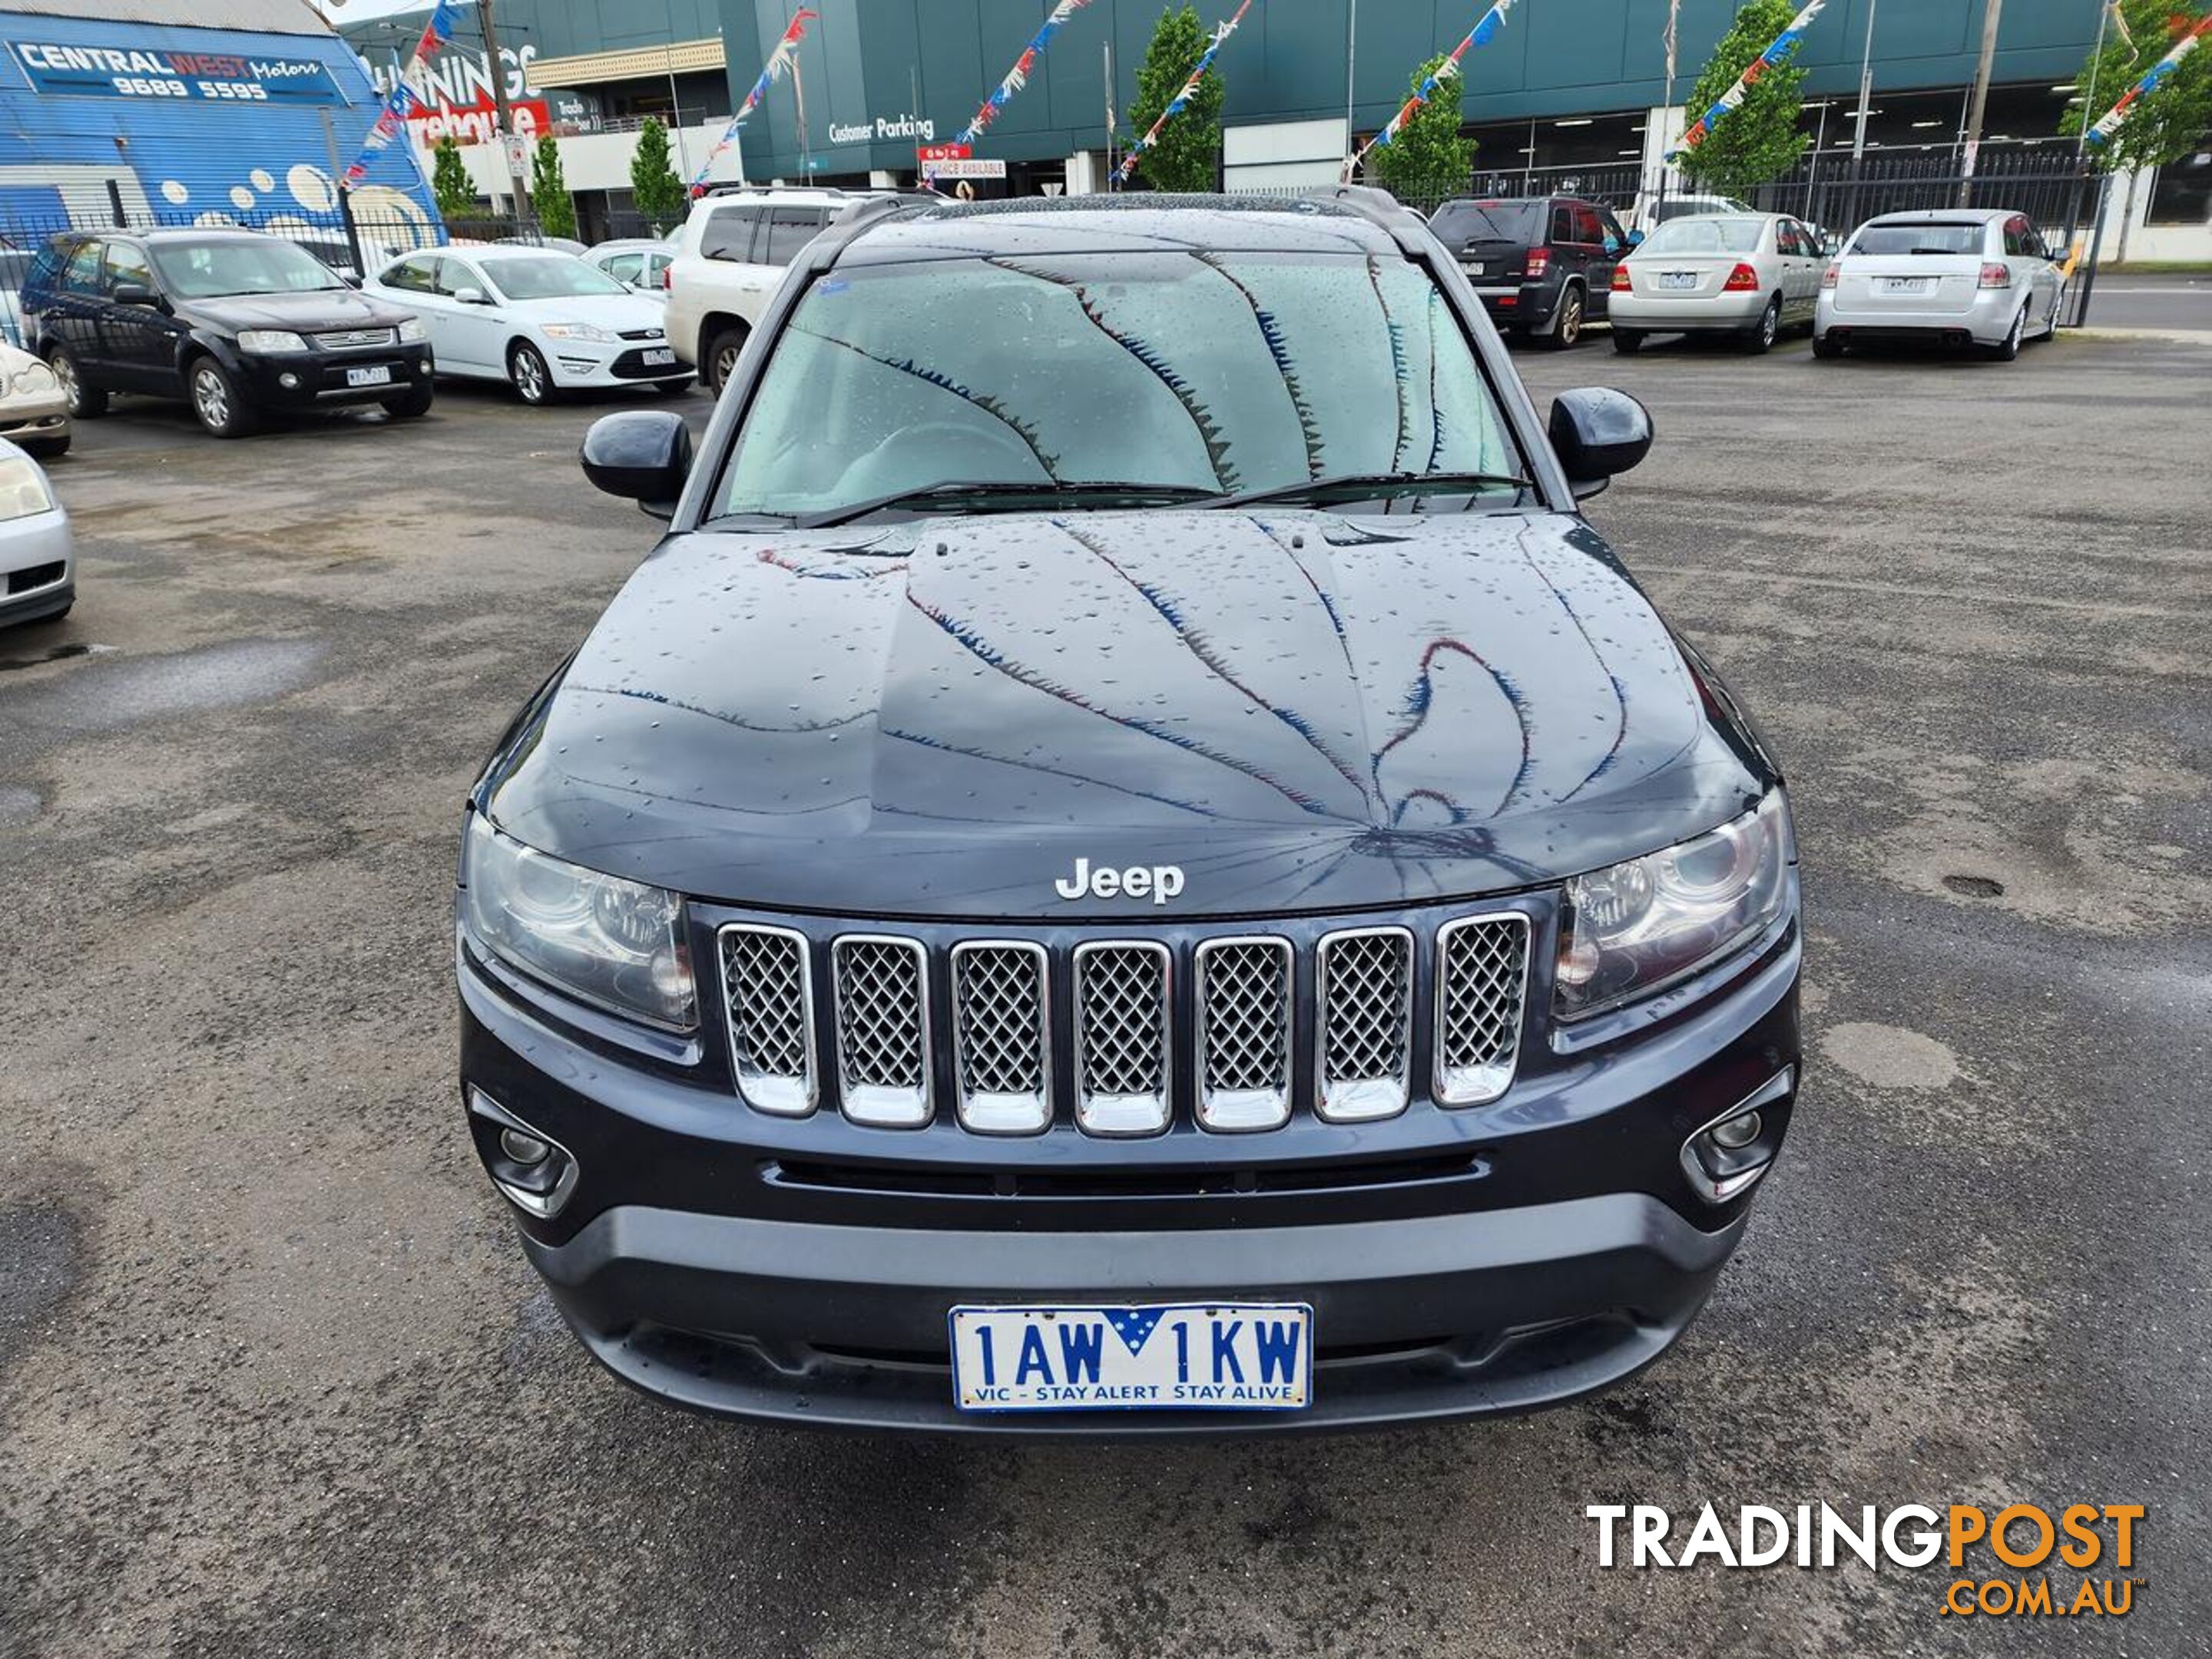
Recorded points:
(1996, 276)
(1832, 275)
(1620, 279)
(1743, 277)
(668, 279)
(1539, 261)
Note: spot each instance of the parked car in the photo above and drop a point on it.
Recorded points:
(33, 409)
(1654, 212)
(544, 322)
(1543, 265)
(637, 264)
(1080, 876)
(15, 266)
(38, 567)
(731, 254)
(1980, 276)
(1748, 275)
(239, 323)
(556, 244)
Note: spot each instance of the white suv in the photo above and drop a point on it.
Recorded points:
(729, 256)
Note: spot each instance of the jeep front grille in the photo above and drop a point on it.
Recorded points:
(883, 1029)
(770, 996)
(1365, 996)
(1240, 1046)
(1001, 1044)
(1244, 1033)
(1121, 1081)
(1481, 982)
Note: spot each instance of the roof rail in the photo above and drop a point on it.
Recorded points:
(850, 222)
(1378, 207)
(738, 187)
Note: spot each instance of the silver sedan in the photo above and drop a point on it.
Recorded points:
(1750, 275)
(38, 569)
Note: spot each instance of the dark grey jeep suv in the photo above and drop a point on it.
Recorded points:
(1131, 865)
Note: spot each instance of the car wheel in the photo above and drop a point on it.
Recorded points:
(1762, 332)
(1628, 341)
(85, 402)
(2009, 347)
(216, 399)
(526, 370)
(1567, 326)
(722, 356)
(1826, 346)
(414, 401)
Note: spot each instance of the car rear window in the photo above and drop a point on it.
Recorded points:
(1468, 222)
(1706, 236)
(1931, 240)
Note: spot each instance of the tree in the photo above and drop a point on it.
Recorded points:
(1183, 159)
(548, 191)
(654, 184)
(450, 182)
(1428, 157)
(1758, 141)
(2162, 127)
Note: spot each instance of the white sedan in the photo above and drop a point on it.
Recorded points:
(38, 567)
(543, 321)
(1750, 275)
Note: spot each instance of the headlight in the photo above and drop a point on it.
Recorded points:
(577, 332)
(22, 488)
(270, 339)
(617, 944)
(1633, 928)
(33, 381)
(411, 331)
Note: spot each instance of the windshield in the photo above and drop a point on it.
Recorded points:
(1706, 236)
(1467, 222)
(1918, 239)
(210, 270)
(534, 276)
(1182, 372)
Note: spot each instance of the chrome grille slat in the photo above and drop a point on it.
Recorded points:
(1121, 1047)
(1482, 983)
(1244, 1033)
(1001, 1046)
(883, 1029)
(345, 339)
(1365, 1000)
(768, 992)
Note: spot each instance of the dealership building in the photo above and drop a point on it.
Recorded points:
(1568, 93)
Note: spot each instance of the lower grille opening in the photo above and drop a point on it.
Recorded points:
(39, 575)
(1122, 1183)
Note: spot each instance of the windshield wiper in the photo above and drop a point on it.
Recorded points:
(1364, 484)
(953, 495)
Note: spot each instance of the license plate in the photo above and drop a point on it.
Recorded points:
(1678, 279)
(380, 375)
(1904, 285)
(659, 359)
(1478, 269)
(1242, 1356)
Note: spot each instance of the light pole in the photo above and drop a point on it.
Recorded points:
(1350, 63)
(1866, 91)
(1992, 12)
(502, 116)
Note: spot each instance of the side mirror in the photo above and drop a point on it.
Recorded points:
(471, 296)
(1636, 239)
(1598, 433)
(131, 294)
(642, 454)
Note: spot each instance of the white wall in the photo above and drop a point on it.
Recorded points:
(1283, 154)
(2125, 225)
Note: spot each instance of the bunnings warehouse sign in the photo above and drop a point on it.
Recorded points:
(99, 71)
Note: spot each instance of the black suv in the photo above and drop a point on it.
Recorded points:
(1543, 265)
(1131, 864)
(234, 321)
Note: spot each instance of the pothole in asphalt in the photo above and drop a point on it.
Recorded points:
(1975, 886)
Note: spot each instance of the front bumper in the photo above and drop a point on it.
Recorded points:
(316, 379)
(1985, 322)
(581, 365)
(1460, 1262)
(1727, 313)
(35, 421)
(38, 571)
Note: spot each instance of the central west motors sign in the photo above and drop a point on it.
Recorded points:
(55, 69)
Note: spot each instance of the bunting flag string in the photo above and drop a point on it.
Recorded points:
(2110, 124)
(1221, 34)
(403, 99)
(1785, 44)
(1480, 34)
(1018, 76)
(772, 71)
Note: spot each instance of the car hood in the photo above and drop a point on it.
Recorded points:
(319, 311)
(1300, 711)
(610, 311)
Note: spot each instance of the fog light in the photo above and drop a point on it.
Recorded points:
(528, 1150)
(1736, 1131)
(289, 382)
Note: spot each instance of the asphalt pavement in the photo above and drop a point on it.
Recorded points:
(2153, 300)
(274, 1378)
